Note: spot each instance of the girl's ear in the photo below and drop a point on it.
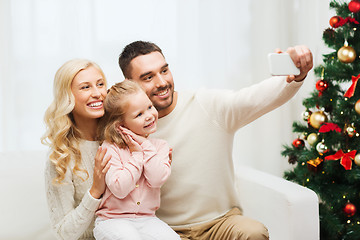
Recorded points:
(118, 124)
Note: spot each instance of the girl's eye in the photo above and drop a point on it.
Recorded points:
(150, 107)
(139, 115)
(101, 84)
(85, 87)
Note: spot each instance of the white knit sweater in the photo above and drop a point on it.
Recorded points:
(71, 207)
(201, 130)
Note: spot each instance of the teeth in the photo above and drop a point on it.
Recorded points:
(149, 124)
(96, 104)
(162, 93)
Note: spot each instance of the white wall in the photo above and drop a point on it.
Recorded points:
(213, 43)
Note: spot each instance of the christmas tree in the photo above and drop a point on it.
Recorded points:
(326, 154)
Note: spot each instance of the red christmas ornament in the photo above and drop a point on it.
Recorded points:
(321, 86)
(354, 6)
(349, 209)
(334, 21)
(298, 143)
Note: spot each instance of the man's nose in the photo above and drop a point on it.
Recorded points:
(160, 81)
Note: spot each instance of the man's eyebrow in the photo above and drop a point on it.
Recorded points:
(144, 74)
(147, 73)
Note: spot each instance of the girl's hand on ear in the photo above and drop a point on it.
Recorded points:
(132, 140)
(101, 167)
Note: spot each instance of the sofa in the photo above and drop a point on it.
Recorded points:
(289, 211)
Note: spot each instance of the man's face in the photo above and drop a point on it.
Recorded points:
(152, 72)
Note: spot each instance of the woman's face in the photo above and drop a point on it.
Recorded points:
(89, 90)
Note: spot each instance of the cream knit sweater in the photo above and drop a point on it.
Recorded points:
(201, 130)
(71, 207)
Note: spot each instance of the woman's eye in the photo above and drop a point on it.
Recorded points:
(85, 87)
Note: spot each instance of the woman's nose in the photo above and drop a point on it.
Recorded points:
(96, 92)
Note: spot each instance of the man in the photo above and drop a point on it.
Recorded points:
(199, 200)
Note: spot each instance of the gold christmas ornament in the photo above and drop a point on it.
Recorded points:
(312, 139)
(357, 159)
(357, 107)
(346, 54)
(317, 118)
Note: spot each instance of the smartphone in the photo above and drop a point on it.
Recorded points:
(281, 64)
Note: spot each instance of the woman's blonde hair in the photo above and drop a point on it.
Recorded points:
(62, 135)
(115, 105)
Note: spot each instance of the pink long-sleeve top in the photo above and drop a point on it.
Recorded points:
(134, 179)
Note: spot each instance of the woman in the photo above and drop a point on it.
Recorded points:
(75, 172)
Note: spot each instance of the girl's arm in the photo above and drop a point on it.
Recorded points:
(125, 171)
(67, 220)
(156, 162)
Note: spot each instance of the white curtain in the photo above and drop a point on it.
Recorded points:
(208, 43)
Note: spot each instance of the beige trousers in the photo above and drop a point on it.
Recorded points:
(232, 226)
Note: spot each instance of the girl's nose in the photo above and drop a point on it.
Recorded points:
(148, 116)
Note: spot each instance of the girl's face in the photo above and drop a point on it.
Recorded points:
(140, 115)
(89, 90)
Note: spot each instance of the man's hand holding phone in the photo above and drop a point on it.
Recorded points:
(295, 63)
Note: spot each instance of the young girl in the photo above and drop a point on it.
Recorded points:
(138, 168)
